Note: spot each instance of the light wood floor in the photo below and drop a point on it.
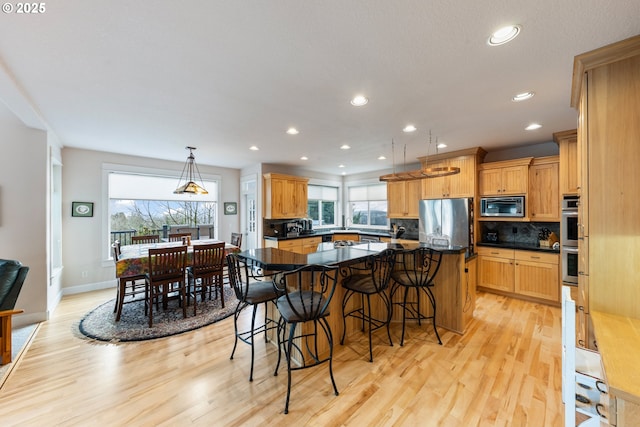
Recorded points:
(505, 371)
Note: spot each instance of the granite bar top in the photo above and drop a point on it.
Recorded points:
(320, 233)
(278, 260)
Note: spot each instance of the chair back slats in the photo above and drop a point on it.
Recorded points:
(177, 237)
(153, 238)
(208, 258)
(115, 252)
(418, 267)
(166, 264)
(236, 239)
(308, 290)
(381, 266)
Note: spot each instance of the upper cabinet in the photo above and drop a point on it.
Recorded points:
(543, 201)
(402, 198)
(568, 144)
(462, 184)
(507, 177)
(285, 196)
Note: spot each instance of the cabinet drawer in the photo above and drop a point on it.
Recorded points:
(496, 252)
(288, 245)
(537, 257)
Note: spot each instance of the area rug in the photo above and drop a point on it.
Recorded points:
(100, 323)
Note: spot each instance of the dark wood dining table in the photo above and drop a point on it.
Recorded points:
(134, 259)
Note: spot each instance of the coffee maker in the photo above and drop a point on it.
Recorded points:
(307, 226)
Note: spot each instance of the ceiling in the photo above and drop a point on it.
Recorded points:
(148, 78)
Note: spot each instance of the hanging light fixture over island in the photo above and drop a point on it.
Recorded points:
(189, 173)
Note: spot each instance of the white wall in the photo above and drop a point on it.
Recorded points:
(83, 237)
(23, 211)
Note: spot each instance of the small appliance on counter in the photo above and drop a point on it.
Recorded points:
(306, 225)
(491, 237)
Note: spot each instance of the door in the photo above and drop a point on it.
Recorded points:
(249, 216)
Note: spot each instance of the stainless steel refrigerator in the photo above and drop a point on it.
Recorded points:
(447, 222)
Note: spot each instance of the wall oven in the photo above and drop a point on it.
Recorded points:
(569, 265)
(569, 240)
(569, 224)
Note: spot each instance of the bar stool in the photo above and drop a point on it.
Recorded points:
(369, 279)
(418, 268)
(307, 292)
(249, 294)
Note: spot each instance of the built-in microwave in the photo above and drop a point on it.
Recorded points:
(502, 206)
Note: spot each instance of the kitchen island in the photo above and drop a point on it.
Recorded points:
(454, 288)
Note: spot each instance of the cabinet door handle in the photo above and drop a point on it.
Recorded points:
(495, 253)
(535, 257)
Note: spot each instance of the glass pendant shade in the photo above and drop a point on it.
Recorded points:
(189, 173)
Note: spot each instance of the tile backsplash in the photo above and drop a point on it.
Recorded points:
(525, 232)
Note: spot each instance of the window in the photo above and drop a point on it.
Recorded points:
(145, 204)
(322, 204)
(368, 206)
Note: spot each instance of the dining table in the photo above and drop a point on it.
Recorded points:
(134, 259)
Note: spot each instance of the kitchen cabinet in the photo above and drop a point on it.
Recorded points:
(303, 245)
(402, 198)
(462, 184)
(568, 146)
(528, 274)
(543, 197)
(507, 177)
(285, 196)
(346, 236)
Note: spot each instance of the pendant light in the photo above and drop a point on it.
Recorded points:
(188, 176)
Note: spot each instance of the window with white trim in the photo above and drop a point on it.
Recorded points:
(368, 206)
(322, 205)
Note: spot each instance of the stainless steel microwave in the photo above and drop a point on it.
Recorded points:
(502, 206)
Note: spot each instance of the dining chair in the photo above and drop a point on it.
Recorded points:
(304, 305)
(236, 239)
(152, 238)
(416, 270)
(205, 271)
(368, 279)
(177, 237)
(128, 285)
(166, 275)
(249, 293)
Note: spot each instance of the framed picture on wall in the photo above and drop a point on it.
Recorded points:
(230, 208)
(81, 209)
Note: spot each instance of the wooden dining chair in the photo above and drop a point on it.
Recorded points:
(165, 278)
(152, 238)
(128, 285)
(206, 271)
(177, 237)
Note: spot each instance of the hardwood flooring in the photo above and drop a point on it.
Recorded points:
(505, 371)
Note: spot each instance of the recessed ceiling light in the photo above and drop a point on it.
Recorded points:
(382, 158)
(442, 145)
(341, 166)
(304, 158)
(504, 35)
(345, 147)
(523, 96)
(253, 148)
(359, 101)
(533, 126)
(292, 131)
(409, 128)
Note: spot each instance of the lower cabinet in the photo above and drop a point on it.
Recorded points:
(529, 274)
(304, 245)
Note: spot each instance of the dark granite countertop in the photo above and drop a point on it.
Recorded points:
(320, 233)
(520, 246)
(278, 260)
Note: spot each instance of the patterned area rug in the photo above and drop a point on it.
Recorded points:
(100, 323)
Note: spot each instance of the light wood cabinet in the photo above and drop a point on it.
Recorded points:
(568, 146)
(403, 197)
(303, 245)
(285, 196)
(507, 177)
(529, 274)
(543, 197)
(345, 236)
(462, 184)
(452, 186)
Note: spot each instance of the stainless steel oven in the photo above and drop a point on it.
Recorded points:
(569, 226)
(569, 265)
